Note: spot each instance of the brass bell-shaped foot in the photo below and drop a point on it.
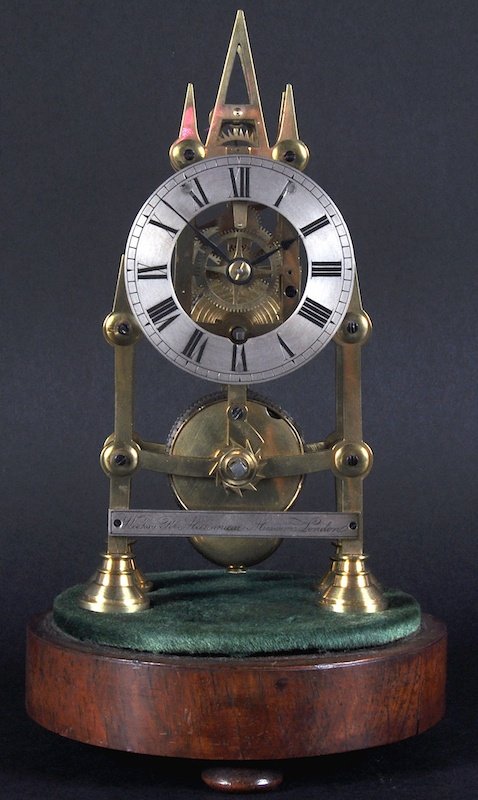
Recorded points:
(349, 587)
(115, 586)
(142, 582)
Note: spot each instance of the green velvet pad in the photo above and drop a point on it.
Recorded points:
(215, 613)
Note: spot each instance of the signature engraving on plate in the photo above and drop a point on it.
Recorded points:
(191, 523)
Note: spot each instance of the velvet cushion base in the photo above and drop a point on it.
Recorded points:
(256, 613)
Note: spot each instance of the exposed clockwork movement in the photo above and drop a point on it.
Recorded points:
(239, 269)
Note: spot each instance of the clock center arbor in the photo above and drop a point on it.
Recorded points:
(238, 269)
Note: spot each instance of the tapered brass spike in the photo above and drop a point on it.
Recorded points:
(239, 127)
(189, 126)
(188, 147)
(287, 117)
(289, 147)
(120, 301)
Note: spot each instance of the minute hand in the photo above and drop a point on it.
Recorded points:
(199, 234)
(283, 246)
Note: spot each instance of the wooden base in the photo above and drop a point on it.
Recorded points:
(235, 709)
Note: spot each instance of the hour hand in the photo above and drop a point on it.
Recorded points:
(284, 245)
(209, 243)
(200, 235)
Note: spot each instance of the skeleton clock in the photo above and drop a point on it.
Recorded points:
(238, 269)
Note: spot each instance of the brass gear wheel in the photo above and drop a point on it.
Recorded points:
(237, 135)
(267, 431)
(217, 298)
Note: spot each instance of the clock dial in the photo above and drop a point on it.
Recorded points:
(239, 269)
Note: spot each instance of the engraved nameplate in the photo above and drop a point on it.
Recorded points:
(285, 524)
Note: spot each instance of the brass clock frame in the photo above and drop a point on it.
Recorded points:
(348, 586)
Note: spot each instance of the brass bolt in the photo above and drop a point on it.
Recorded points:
(186, 151)
(120, 329)
(351, 459)
(292, 151)
(238, 413)
(355, 329)
(118, 458)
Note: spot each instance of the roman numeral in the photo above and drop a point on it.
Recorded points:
(322, 269)
(152, 273)
(162, 311)
(282, 195)
(172, 231)
(315, 313)
(192, 345)
(200, 198)
(314, 226)
(285, 347)
(241, 187)
(238, 353)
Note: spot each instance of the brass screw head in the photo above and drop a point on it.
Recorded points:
(355, 328)
(120, 329)
(184, 152)
(119, 459)
(293, 152)
(351, 459)
(238, 413)
(239, 271)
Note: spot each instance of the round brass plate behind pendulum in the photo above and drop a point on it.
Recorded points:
(266, 431)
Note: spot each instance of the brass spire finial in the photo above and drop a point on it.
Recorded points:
(288, 146)
(188, 147)
(239, 127)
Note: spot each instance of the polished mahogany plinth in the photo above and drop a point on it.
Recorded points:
(235, 709)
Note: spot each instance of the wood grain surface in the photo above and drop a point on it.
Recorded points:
(235, 709)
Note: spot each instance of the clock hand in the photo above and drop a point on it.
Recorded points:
(283, 246)
(219, 268)
(204, 239)
(238, 253)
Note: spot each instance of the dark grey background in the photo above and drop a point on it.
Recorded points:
(386, 99)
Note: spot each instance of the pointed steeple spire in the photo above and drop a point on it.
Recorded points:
(238, 127)
(188, 146)
(288, 146)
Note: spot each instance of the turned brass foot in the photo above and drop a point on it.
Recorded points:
(143, 583)
(348, 587)
(115, 587)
